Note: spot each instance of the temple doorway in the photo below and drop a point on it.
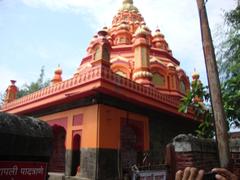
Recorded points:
(57, 160)
(132, 144)
(76, 154)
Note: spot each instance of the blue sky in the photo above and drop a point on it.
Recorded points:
(35, 33)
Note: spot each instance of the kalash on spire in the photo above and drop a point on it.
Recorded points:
(134, 52)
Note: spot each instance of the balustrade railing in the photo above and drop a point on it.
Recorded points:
(90, 75)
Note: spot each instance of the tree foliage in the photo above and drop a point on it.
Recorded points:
(34, 86)
(195, 99)
(229, 70)
(229, 65)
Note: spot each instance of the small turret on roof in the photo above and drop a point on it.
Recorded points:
(160, 42)
(11, 92)
(57, 76)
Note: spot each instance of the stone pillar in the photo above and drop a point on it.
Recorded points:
(68, 162)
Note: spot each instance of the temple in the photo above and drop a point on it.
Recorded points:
(120, 104)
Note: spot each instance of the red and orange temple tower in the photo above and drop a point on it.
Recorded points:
(121, 102)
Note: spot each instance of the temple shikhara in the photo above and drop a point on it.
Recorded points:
(119, 109)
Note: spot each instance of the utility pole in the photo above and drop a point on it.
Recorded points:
(214, 87)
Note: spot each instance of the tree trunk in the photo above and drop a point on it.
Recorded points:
(214, 86)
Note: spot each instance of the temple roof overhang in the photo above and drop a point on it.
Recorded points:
(93, 80)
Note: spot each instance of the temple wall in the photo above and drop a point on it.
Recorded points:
(163, 129)
(110, 148)
(100, 129)
(110, 126)
(80, 121)
(88, 124)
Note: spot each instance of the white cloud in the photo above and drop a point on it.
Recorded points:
(178, 20)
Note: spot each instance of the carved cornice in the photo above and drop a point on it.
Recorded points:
(92, 74)
(98, 74)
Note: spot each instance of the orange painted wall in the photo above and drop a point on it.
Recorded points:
(109, 126)
(89, 126)
(101, 126)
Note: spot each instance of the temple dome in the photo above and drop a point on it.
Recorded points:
(131, 39)
(158, 33)
(128, 1)
(128, 6)
(141, 31)
(128, 13)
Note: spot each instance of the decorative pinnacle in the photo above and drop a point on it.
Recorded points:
(103, 32)
(127, 1)
(13, 82)
(195, 75)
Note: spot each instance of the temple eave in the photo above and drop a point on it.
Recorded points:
(100, 80)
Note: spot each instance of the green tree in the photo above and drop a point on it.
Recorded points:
(229, 70)
(198, 100)
(229, 65)
(34, 86)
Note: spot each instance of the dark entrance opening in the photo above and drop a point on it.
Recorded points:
(76, 154)
(57, 160)
(132, 144)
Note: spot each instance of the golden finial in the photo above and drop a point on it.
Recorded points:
(195, 75)
(128, 6)
(127, 1)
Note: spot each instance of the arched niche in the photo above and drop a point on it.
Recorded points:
(184, 85)
(159, 72)
(76, 153)
(57, 160)
(121, 68)
(183, 88)
(159, 80)
(156, 66)
(96, 52)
